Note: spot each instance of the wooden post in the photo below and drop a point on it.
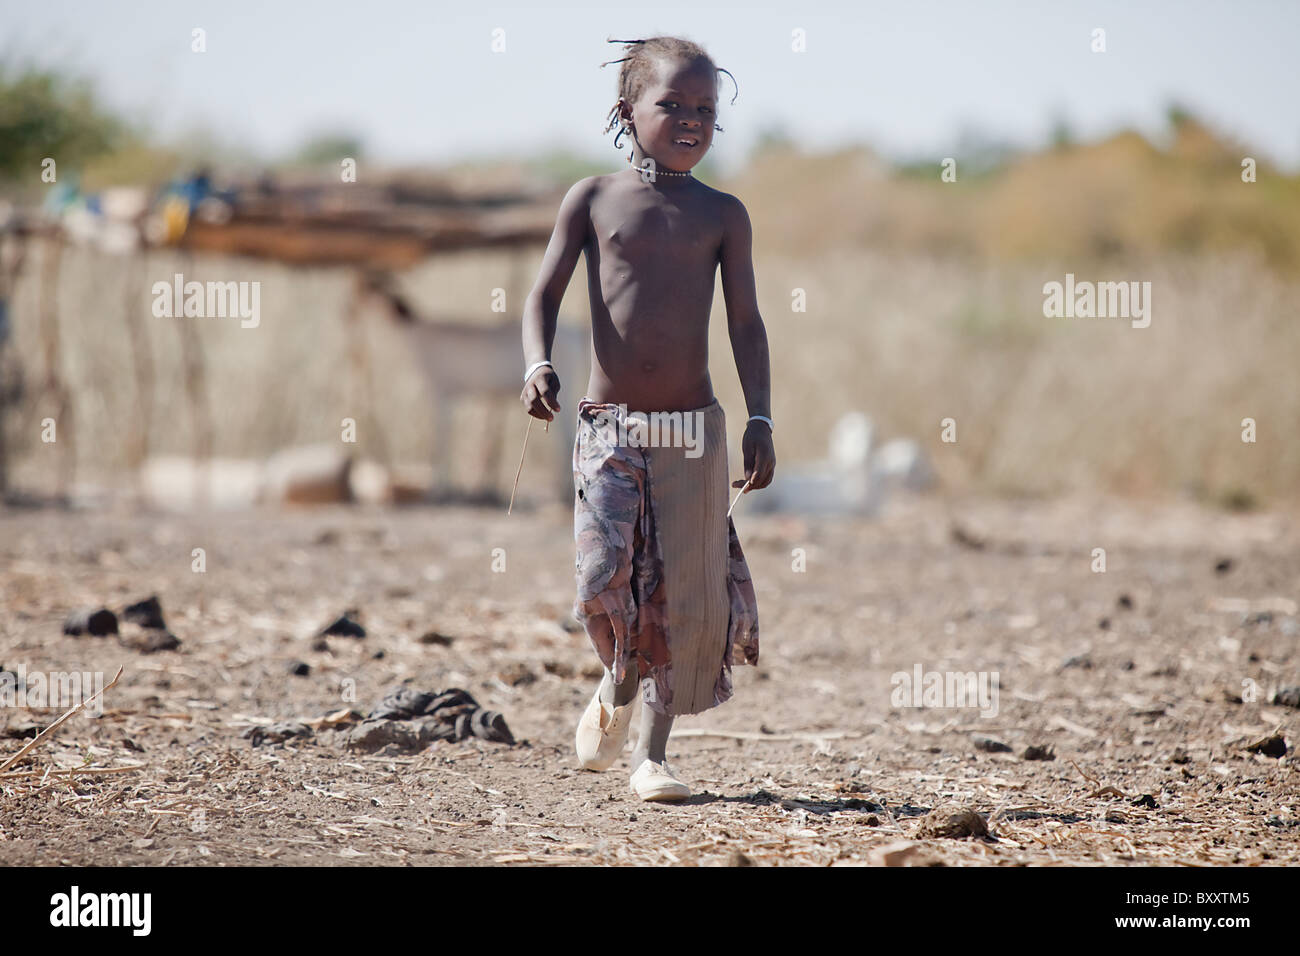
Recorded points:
(53, 385)
(360, 395)
(142, 365)
(196, 391)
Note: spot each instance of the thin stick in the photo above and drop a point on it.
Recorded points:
(520, 471)
(75, 772)
(739, 493)
(48, 730)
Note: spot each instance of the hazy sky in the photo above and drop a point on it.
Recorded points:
(420, 83)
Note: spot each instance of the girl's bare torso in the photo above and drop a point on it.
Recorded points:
(652, 254)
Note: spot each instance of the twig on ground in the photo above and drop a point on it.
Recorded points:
(44, 734)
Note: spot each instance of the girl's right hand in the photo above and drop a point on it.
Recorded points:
(540, 391)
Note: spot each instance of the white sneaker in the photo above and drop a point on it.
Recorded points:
(654, 781)
(602, 732)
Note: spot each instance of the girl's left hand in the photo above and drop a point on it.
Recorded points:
(760, 457)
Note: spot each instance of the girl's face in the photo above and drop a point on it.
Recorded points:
(674, 117)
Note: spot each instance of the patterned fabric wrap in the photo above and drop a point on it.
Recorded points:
(621, 599)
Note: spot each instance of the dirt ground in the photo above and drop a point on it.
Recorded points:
(1145, 680)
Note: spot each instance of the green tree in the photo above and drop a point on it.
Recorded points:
(44, 114)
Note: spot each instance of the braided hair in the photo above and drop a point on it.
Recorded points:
(639, 62)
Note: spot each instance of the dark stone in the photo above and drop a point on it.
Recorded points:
(299, 668)
(1147, 801)
(1125, 602)
(1287, 697)
(990, 746)
(1223, 566)
(1271, 746)
(146, 613)
(345, 626)
(1037, 752)
(93, 621)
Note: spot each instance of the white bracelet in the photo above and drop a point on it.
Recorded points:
(534, 367)
(762, 418)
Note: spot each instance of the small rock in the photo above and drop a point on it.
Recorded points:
(1287, 697)
(1180, 756)
(146, 613)
(517, 674)
(953, 822)
(299, 669)
(1125, 602)
(990, 746)
(1223, 566)
(345, 626)
(1271, 746)
(94, 621)
(1104, 624)
(899, 853)
(1146, 800)
(736, 858)
(433, 637)
(1079, 660)
(1036, 752)
(320, 644)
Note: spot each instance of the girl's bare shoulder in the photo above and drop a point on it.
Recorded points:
(728, 208)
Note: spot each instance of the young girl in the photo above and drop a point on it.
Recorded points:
(663, 588)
